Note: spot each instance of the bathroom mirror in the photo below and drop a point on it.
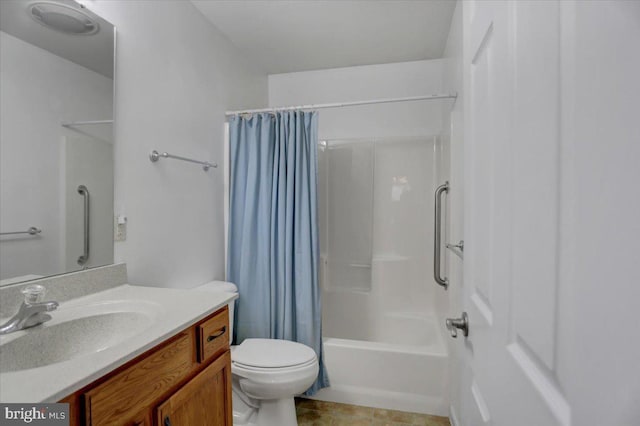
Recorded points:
(56, 142)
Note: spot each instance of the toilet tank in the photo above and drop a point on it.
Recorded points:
(225, 287)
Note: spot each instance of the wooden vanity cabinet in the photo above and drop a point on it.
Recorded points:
(184, 381)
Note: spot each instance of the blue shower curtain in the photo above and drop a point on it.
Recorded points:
(273, 229)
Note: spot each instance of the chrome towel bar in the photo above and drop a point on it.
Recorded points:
(31, 231)
(155, 156)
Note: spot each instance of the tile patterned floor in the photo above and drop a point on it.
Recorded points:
(320, 413)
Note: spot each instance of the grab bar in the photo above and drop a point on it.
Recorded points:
(82, 190)
(31, 231)
(437, 235)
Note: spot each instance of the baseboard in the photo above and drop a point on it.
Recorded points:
(377, 398)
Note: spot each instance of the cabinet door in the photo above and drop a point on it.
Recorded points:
(137, 388)
(203, 401)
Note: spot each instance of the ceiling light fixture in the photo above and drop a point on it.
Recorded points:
(63, 18)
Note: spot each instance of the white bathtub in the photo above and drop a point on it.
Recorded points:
(409, 374)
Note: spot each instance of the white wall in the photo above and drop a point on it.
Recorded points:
(365, 83)
(175, 76)
(453, 131)
(39, 91)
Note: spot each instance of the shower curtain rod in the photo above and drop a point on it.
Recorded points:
(346, 104)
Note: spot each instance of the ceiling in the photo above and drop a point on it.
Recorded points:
(299, 35)
(94, 51)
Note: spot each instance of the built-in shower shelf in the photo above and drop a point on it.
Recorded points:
(360, 265)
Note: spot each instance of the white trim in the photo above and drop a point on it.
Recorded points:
(225, 174)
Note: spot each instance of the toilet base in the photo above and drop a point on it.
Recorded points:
(244, 410)
(276, 412)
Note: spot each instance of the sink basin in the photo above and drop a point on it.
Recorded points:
(73, 334)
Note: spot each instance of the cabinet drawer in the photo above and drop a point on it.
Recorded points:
(121, 398)
(213, 336)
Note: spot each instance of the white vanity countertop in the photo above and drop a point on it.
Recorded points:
(169, 311)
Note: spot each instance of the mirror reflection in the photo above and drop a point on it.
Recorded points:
(56, 144)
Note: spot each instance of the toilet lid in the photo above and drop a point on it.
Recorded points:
(272, 353)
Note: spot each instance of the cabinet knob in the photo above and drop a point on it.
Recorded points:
(167, 421)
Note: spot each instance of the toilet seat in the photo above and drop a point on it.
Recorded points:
(250, 368)
(271, 354)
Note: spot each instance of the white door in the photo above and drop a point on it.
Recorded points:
(552, 199)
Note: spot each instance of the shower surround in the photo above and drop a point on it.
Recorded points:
(382, 333)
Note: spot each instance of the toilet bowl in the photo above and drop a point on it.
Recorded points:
(267, 374)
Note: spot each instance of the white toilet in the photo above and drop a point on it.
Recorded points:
(267, 374)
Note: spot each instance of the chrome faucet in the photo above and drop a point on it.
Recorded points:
(31, 312)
